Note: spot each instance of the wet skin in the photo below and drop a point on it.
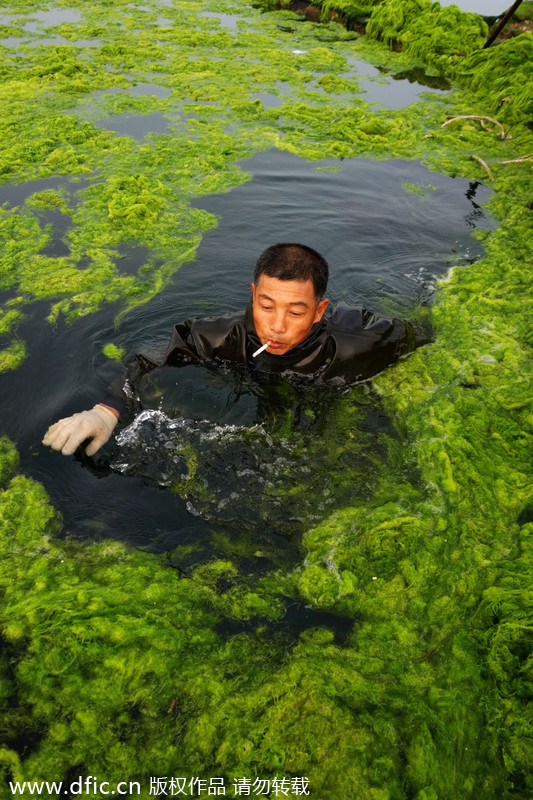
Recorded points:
(284, 312)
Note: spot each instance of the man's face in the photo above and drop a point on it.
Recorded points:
(284, 312)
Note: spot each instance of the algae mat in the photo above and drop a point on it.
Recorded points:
(116, 667)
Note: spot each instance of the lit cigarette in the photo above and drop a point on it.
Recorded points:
(263, 347)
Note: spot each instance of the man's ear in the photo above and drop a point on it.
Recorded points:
(320, 309)
(252, 287)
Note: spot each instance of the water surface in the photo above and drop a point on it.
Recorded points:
(388, 228)
(485, 7)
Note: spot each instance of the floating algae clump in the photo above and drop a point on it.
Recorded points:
(114, 664)
(113, 352)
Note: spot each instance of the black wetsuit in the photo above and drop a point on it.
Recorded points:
(349, 345)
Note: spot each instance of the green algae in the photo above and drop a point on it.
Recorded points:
(113, 352)
(12, 356)
(421, 191)
(450, 42)
(9, 461)
(117, 666)
(426, 29)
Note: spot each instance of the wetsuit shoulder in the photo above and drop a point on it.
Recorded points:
(192, 341)
(364, 343)
(196, 340)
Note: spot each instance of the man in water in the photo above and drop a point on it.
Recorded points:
(283, 330)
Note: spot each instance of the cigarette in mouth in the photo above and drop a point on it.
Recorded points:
(263, 347)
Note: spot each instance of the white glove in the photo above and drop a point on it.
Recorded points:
(67, 434)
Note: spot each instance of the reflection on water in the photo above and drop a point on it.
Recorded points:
(268, 99)
(226, 20)
(388, 229)
(131, 257)
(138, 89)
(137, 126)
(15, 194)
(54, 16)
(419, 75)
(396, 90)
(57, 223)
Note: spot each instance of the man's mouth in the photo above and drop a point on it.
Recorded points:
(275, 344)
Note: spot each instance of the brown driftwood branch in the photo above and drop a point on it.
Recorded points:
(481, 120)
(484, 165)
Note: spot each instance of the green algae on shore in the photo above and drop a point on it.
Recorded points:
(116, 665)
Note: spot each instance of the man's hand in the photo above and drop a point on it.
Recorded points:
(67, 434)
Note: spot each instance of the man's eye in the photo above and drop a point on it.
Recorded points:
(266, 308)
(296, 314)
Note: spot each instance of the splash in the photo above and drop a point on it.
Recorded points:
(254, 477)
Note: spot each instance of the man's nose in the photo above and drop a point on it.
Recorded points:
(279, 324)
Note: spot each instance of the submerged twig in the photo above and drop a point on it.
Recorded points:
(519, 160)
(481, 121)
(427, 656)
(484, 165)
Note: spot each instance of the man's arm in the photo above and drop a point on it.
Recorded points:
(192, 341)
(99, 422)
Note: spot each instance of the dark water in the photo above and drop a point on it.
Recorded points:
(385, 244)
(136, 125)
(259, 452)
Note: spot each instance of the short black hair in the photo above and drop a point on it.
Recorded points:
(294, 262)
